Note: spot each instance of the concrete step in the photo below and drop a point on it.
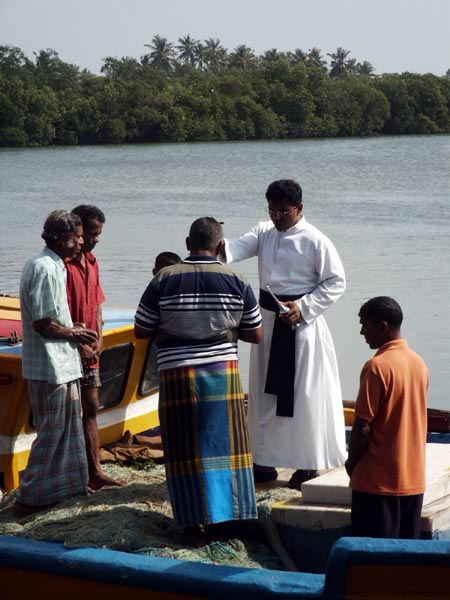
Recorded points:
(332, 487)
(310, 524)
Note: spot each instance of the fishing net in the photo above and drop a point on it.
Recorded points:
(137, 518)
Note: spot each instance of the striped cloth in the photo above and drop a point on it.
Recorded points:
(57, 466)
(206, 449)
(197, 307)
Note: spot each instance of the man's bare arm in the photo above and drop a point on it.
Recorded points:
(49, 328)
(359, 438)
(144, 334)
(253, 336)
(99, 328)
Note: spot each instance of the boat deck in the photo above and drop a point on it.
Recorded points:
(283, 477)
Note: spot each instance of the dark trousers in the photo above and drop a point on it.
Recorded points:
(380, 516)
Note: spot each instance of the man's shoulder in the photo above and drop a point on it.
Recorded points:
(376, 366)
(369, 365)
(227, 272)
(70, 263)
(414, 357)
(91, 258)
(42, 255)
(394, 353)
(42, 261)
(264, 228)
(206, 269)
(315, 234)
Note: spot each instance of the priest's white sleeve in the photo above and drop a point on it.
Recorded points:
(330, 287)
(241, 248)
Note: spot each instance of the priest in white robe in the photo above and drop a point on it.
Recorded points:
(295, 411)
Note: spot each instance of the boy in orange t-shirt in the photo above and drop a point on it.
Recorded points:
(386, 459)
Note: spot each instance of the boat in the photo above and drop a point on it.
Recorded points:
(128, 396)
(357, 569)
(315, 531)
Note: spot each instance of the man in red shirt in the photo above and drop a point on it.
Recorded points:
(386, 457)
(85, 296)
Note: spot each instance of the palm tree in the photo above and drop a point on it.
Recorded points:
(365, 68)
(272, 55)
(187, 50)
(315, 59)
(242, 57)
(297, 57)
(339, 62)
(200, 56)
(215, 55)
(162, 53)
(351, 66)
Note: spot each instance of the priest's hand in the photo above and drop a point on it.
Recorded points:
(293, 315)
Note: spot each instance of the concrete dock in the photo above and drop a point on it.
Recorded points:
(310, 524)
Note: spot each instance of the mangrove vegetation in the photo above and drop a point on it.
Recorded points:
(198, 91)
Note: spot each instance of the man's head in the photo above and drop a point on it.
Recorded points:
(284, 198)
(93, 220)
(165, 259)
(381, 319)
(205, 237)
(63, 233)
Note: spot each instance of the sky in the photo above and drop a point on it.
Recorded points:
(393, 35)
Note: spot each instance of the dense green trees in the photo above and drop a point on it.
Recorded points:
(418, 104)
(197, 91)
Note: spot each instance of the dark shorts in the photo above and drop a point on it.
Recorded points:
(91, 378)
(381, 516)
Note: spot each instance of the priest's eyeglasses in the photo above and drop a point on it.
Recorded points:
(281, 212)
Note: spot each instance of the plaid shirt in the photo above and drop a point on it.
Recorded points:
(43, 295)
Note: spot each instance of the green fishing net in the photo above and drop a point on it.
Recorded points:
(137, 518)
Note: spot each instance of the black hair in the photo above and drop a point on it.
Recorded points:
(58, 223)
(285, 189)
(382, 308)
(166, 259)
(87, 212)
(205, 234)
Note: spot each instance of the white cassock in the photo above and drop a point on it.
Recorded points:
(301, 260)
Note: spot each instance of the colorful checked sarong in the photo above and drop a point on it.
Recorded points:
(209, 466)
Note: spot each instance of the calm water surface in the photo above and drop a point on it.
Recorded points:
(385, 203)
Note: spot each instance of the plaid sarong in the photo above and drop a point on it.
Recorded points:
(57, 465)
(209, 466)
(91, 378)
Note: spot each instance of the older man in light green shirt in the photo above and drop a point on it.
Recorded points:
(57, 467)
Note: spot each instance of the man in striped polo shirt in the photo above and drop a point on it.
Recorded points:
(196, 311)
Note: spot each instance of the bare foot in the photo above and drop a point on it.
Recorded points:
(193, 536)
(95, 483)
(219, 532)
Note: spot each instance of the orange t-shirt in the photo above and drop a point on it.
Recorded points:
(393, 397)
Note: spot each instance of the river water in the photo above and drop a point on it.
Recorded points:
(385, 203)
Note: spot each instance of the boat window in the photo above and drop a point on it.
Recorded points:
(149, 380)
(115, 363)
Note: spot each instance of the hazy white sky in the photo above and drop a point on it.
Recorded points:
(393, 35)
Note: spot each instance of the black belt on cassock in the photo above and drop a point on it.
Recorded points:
(281, 366)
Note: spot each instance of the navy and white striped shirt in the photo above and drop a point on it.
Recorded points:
(197, 307)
